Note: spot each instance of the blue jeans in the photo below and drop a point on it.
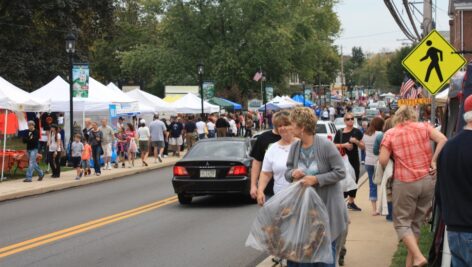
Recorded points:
(33, 165)
(316, 264)
(96, 151)
(211, 133)
(460, 244)
(373, 187)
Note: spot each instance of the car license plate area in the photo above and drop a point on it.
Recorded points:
(211, 173)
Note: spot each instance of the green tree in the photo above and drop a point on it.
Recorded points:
(352, 67)
(395, 71)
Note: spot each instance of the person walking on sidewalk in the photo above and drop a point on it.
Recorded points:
(107, 143)
(249, 126)
(409, 142)
(158, 131)
(144, 136)
(190, 132)
(55, 148)
(315, 161)
(201, 129)
(350, 139)
(175, 141)
(131, 143)
(453, 191)
(32, 141)
(77, 150)
(86, 155)
(222, 125)
(211, 129)
(121, 145)
(95, 139)
(369, 138)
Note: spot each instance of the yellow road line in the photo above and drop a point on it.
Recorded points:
(48, 238)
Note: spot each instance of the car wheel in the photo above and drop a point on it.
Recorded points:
(184, 199)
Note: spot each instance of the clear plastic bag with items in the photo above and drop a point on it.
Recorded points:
(293, 225)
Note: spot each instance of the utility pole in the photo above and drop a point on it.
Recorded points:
(427, 28)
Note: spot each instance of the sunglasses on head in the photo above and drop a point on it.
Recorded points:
(349, 119)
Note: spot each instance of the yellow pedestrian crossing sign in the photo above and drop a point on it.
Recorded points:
(433, 62)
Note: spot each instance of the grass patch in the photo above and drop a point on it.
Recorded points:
(426, 240)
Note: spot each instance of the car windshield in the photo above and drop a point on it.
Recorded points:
(321, 128)
(218, 149)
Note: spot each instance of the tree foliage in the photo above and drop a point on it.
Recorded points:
(395, 71)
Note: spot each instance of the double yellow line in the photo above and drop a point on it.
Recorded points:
(48, 238)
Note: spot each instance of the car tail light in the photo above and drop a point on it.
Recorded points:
(180, 171)
(239, 170)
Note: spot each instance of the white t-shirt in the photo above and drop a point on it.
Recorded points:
(200, 127)
(325, 114)
(275, 161)
(370, 158)
(143, 133)
(211, 126)
(332, 111)
(53, 146)
(232, 126)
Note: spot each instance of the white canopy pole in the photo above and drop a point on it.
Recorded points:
(4, 143)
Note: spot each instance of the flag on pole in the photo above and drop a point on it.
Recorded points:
(257, 76)
(407, 85)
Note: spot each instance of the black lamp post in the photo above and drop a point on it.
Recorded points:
(303, 92)
(200, 69)
(70, 49)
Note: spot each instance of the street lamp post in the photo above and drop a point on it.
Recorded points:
(200, 69)
(303, 92)
(70, 49)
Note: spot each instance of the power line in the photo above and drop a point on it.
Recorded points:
(401, 18)
(398, 21)
(408, 12)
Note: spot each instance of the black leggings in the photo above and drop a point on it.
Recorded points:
(55, 163)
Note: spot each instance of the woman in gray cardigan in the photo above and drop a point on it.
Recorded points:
(316, 162)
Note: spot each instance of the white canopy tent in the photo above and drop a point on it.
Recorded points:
(283, 103)
(441, 98)
(388, 95)
(191, 104)
(148, 99)
(15, 99)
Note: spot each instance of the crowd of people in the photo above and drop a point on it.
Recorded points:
(293, 152)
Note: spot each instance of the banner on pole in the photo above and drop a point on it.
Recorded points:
(208, 90)
(269, 93)
(80, 80)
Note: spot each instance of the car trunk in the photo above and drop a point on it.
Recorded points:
(211, 169)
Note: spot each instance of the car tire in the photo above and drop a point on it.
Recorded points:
(184, 199)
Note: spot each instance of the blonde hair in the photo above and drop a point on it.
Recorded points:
(281, 118)
(348, 114)
(404, 114)
(304, 118)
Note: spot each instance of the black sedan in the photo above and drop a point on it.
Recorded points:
(213, 166)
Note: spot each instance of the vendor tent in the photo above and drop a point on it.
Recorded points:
(441, 98)
(151, 100)
(191, 103)
(236, 106)
(269, 107)
(282, 103)
(388, 95)
(225, 103)
(172, 98)
(300, 99)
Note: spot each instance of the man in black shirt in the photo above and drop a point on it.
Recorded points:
(175, 140)
(222, 126)
(258, 151)
(32, 141)
(454, 190)
(190, 132)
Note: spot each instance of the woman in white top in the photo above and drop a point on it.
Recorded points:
(144, 137)
(200, 128)
(54, 153)
(275, 159)
(233, 129)
(211, 129)
(370, 135)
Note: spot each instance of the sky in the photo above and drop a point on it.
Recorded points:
(369, 24)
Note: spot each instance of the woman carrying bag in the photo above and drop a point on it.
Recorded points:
(55, 150)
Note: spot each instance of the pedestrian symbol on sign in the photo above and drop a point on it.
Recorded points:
(433, 55)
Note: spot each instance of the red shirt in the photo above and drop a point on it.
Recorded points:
(410, 145)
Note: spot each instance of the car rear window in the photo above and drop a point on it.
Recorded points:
(321, 129)
(218, 149)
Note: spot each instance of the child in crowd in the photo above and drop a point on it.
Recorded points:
(122, 145)
(77, 149)
(86, 154)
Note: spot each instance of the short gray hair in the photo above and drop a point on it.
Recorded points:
(468, 116)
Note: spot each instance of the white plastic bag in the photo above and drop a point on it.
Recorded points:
(349, 182)
(293, 225)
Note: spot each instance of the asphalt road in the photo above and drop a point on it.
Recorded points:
(210, 232)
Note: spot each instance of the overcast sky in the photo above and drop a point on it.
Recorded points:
(369, 24)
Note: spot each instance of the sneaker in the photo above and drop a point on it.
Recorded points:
(81, 173)
(77, 178)
(98, 174)
(159, 158)
(352, 206)
(109, 167)
(123, 165)
(40, 178)
(165, 156)
(27, 180)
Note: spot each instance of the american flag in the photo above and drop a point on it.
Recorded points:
(257, 76)
(407, 85)
(415, 92)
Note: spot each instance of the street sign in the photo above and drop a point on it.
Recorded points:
(414, 102)
(433, 62)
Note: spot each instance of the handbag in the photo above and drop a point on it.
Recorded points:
(132, 146)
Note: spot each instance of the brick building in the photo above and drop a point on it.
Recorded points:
(460, 13)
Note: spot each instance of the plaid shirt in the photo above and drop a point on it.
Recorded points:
(410, 146)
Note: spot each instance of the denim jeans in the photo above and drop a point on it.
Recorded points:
(201, 136)
(316, 264)
(96, 151)
(33, 165)
(373, 187)
(460, 244)
(211, 133)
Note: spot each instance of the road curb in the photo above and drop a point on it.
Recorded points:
(84, 181)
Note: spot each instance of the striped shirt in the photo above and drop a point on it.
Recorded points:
(410, 146)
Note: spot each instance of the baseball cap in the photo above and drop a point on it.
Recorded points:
(142, 121)
(468, 104)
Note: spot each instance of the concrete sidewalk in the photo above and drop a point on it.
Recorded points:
(371, 241)
(12, 189)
